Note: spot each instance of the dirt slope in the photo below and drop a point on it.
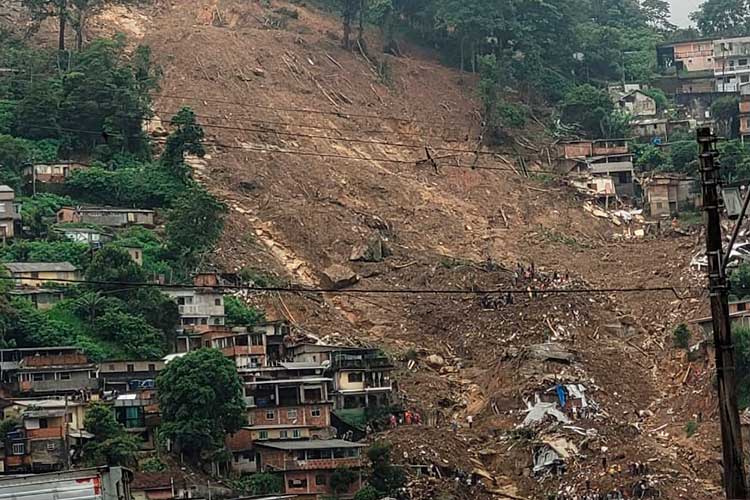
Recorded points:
(237, 63)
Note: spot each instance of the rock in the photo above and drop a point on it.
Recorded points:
(435, 361)
(259, 72)
(338, 276)
(372, 251)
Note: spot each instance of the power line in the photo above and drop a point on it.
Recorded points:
(382, 291)
(340, 114)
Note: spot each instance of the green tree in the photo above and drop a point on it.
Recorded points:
(649, 157)
(240, 314)
(38, 213)
(725, 110)
(185, 139)
(111, 445)
(341, 480)
(90, 304)
(112, 264)
(194, 223)
(658, 14)
(131, 334)
(740, 281)
(200, 397)
(587, 107)
(384, 476)
(722, 17)
(741, 337)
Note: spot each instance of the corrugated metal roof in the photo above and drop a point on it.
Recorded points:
(30, 267)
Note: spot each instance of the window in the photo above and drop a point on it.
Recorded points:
(204, 321)
(658, 204)
(18, 449)
(217, 302)
(152, 367)
(111, 368)
(320, 480)
(355, 377)
(65, 376)
(295, 433)
(38, 377)
(263, 435)
(270, 415)
(315, 412)
(742, 62)
(741, 306)
(51, 446)
(291, 414)
(745, 78)
(283, 434)
(131, 368)
(297, 483)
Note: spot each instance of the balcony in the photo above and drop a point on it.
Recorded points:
(361, 364)
(321, 463)
(48, 433)
(55, 360)
(57, 386)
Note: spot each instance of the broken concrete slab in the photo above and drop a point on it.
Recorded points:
(435, 361)
(338, 277)
(550, 351)
(539, 412)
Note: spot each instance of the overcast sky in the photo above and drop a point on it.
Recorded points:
(681, 9)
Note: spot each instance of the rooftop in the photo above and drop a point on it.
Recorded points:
(318, 444)
(5, 189)
(30, 267)
(109, 209)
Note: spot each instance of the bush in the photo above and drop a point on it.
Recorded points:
(681, 336)
(691, 427)
(368, 493)
(263, 483)
(153, 464)
(240, 314)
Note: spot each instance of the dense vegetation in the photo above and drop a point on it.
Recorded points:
(91, 110)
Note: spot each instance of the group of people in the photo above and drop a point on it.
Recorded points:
(408, 418)
(533, 281)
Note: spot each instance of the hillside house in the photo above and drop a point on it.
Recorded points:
(9, 213)
(106, 216)
(35, 274)
(744, 114)
(637, 104)
(51, 173)
(657, 129)
(731, 63)
(687, 56)
(94, 238)
(200, 309)
(42, 298)
(668, 194)
(44, 371)
(128, 376)
(41, 441)
(138, 412)
(605, 159)
(307, 465)
(362, 379)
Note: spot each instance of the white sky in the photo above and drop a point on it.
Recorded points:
(681, 9)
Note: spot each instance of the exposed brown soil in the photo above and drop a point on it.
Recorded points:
(293, 216)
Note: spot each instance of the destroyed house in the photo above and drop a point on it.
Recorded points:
(668, 194)
(361, 378)
(47, 370)
(106, 216)
(637, 103)
(307, 466)
(246, 347)
(35, 274)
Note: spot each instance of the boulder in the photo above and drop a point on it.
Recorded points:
(338, 277)
(435, 361)
(374, 250)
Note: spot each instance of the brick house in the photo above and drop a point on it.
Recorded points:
(307, 465)
(9, 213)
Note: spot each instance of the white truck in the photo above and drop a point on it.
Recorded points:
(102, 483)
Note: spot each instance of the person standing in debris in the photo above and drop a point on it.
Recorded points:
(469, 420)
(417, 418)
(454, 425)
(407, 417)
(393, 421)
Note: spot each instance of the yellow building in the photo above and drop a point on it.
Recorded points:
(37, 273)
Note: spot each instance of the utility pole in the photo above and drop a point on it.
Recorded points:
(735, 483)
